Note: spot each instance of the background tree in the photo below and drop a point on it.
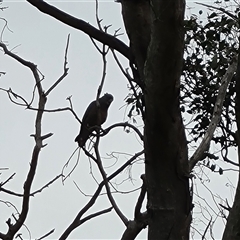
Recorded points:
(156, 59)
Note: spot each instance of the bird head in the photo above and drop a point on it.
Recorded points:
(107, 98)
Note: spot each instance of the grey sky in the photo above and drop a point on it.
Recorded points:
(42, 40)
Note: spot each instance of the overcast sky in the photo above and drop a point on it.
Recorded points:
(42, 40)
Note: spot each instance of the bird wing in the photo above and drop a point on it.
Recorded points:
(89, 111)
(93, 116)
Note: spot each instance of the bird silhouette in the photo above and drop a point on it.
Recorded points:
(93, 118)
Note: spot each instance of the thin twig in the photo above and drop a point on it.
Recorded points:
(33, 193)
(95, 215)
(5, 26)
(97, 18)
(57, 110)
(78, 157)
(11, 177)
(219, 9)
(46, 235)
(205, 231)
(70, 101)
(90, 203)
(109, 194)
(15, 95)
(65, 69)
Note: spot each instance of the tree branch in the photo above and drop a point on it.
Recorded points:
(90, 203)
(11, 177)
(13, 228)
(65, 69)
(109, 194)
(197, 156)
(83, 26)
(95, 215)
(140, 219)
(46, 235)
(134, 227)
(75, 222)
(219, 9)
(33, 193)
(138, 206)
(125, 124)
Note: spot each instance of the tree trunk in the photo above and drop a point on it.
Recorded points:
(232, 229)
(157, 46)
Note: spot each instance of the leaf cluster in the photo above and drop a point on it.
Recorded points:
(209, 48)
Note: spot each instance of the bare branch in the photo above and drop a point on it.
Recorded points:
(15, 95)
(109, 194)
(34, 159)
(95, 45)
(46, 185)
(229, 161)
(74, 224)
(141, 197)
(97, 18)
(9, 204)
(57, 110)
(33, 193)
(205, 231)
(65, 69)
(66, 164)
(70, 101)
(3, 169)
(140, 219)
(131, 80)
(197, 156)
(126, 74)
(11, 177)
(81, 25)
(125, 124)
(104, 73)
(103, 52)
(46, 235)
(78, 221)
(46, 136)
(95, 215)
(219, 9)
(17, 58)
(120, 66)
(224, 207)
(5, 26)
(135, 227)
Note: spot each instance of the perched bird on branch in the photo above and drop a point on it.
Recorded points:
(93, 118)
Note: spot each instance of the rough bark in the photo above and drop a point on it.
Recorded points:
(157, 43)
(137, 20)
(232, 229)
(165, 144)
